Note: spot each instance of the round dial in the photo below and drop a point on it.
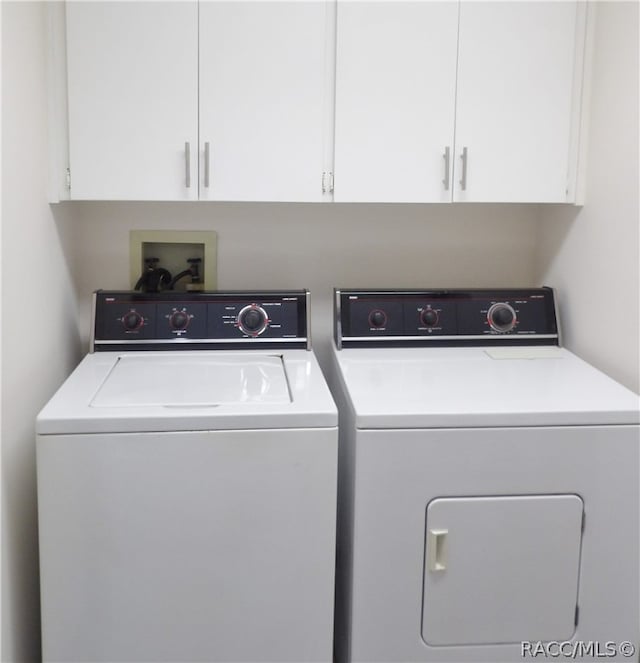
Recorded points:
(132, 321)
(179, 320)
(377, 318)
(253, 320)
(501, 317)
(429, 317)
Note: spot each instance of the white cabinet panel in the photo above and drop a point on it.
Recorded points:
(514, 103)
(498, 78)
(395, 100)
(262, 76)
(501, 569)
(132, 97)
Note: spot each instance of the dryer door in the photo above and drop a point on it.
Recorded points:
(501, 569)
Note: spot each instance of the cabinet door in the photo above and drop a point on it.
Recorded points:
(133, 100)
(395, 97)
(262, 81)
(514, 102)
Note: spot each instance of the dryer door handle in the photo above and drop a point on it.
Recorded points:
(437, 549)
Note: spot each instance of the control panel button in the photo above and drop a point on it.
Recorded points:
(501, 317)
(253, 320)
(132, 321)
(378, 318)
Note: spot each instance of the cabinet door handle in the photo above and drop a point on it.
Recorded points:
(207, 155)
(187, 164)
(447, 163)
(437, 550)
(463, 179)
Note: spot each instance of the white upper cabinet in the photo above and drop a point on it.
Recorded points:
(132, 79)
(514, 103)
(421, 101)
(471, 101)
(262, 84)
(395, 100)
(188, 100)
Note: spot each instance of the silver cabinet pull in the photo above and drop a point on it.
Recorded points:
(187, 164)
(447, 163)
(463, 179)
(207, 154)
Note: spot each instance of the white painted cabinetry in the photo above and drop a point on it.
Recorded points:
(470, 101)
(234, 100)
(514, 100)
(187, 100)
(395, 100)
(132, 80)
(261, 100)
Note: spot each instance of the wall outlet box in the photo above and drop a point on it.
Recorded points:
(173, 249)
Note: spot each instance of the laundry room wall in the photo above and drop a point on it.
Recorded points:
(591, 254)
(40, 341)
(319, 246)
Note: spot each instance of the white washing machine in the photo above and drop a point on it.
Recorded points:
(187, 478)
(488, 484)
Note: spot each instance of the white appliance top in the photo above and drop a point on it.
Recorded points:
(454, 387)
(112, 392)
(191, 380)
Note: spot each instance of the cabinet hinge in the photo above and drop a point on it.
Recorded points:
(327, 182)
(68, 178)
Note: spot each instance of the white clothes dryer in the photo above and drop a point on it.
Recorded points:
(187, 477)
(488, 483)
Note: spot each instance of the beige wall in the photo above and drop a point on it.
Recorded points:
(39, 336)
(591, 255)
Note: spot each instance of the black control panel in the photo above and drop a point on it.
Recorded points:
(445, 317)
(200, 320)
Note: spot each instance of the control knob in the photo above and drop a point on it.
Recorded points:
(253, 320)
(501, 317)
(179, 320)
(429, 317)
(132, 321)
(377, 318)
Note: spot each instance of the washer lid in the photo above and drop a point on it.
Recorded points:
(112, 392)
(192, 380)
(480, 387)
